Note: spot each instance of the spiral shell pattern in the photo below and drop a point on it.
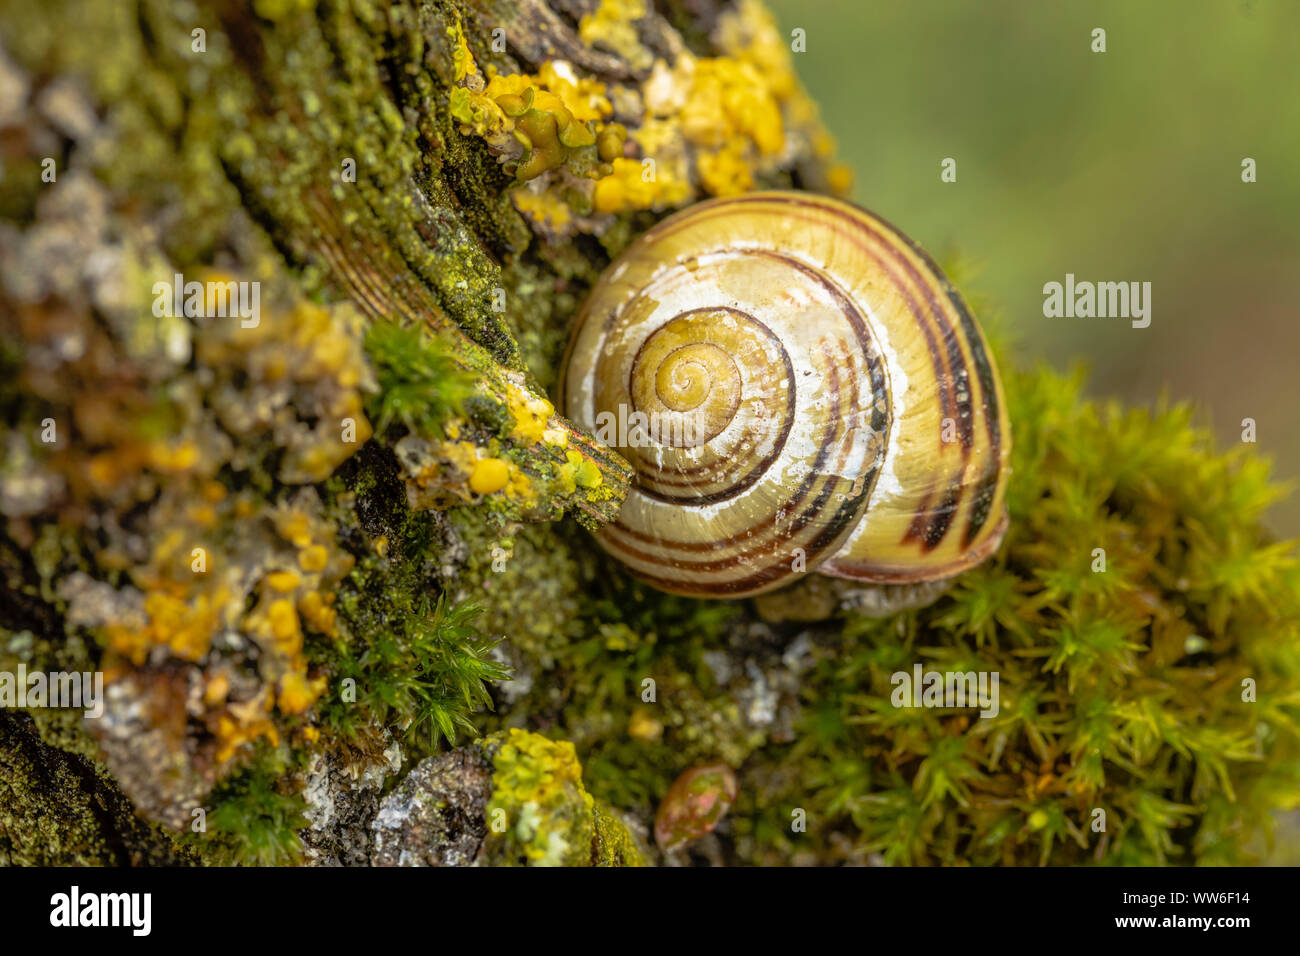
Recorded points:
(798, 388)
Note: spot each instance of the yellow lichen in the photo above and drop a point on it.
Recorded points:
(312, 354)
(728, 104)
(184, 611)
(317, 612)
(556, 88)
(203, 516)
(283, 581)
(579, 472)
(633, 185)
(235, 731)
(462, 59)
(173, 457)
(313, 558)
(840, 178)
(613, 27)
(586, 98)
(489, 475)
(749, 34)
(545, 207)
(294, 526)
(536, 123)
(208, 571)
(722, 110)
(531, 413)
(297, 693)
(641, 726)
(551, 128)
(185, 628)
(283, 619)
(709, 126)
(217, 688)
(725, 173)
(460, 471)
(713, 125)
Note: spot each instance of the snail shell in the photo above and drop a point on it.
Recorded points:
(799, 389)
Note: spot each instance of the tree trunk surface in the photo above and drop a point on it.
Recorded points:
(162, 467)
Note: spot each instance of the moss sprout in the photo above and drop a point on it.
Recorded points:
(420, 384)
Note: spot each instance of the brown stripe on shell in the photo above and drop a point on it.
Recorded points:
(929, 527)
(878, 574)
(773, 573)
(950, 373)
(946, 382)
(990, 474)
(981, 503)
(956, 364)
(825, 539)
(992, 471)
(988, 482)
(939, 519)
(916, 530)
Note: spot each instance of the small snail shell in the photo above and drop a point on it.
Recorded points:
(799, 389)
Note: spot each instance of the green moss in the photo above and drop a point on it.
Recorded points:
(254, 818)
(1121, 690)
(420, 384)
(402, 659)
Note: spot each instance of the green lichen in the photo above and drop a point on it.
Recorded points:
(526, 579)
(614, 843)
(255, 817)
(59, 807)
(540, 814)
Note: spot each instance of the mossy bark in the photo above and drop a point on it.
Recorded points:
(59, 808)
(309, 146)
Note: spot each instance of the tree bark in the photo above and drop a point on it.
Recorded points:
(311, 147)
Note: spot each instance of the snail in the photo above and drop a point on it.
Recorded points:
(799, 389)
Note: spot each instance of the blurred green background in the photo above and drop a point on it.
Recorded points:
(1115, 166)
